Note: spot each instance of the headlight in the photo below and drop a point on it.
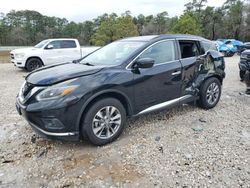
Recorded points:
(57, 91)
(244, 56)
(19, 56)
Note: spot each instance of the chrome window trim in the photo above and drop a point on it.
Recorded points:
(131, 62)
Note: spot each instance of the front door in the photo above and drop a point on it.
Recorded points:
(162, 82)
(53, 53)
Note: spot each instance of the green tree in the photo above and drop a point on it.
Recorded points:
(233, 17)
(113, 28)
(187, 24)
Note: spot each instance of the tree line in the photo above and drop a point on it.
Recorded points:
(231, 20)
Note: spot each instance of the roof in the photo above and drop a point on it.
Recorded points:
(61, 39)
(148, 38)
(140, 38)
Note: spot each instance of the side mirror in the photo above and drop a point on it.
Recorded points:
(50, 46)
(144, 63)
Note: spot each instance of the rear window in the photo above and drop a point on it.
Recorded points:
(68, 44)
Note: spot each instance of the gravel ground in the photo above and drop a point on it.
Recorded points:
(183, 147)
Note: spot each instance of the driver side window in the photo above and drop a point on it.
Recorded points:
(56, 44)
(160, 52)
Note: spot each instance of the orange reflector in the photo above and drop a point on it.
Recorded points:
(67, 91)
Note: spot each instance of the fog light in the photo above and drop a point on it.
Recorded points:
(52, 124)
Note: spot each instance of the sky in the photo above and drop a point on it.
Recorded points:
(81, 10)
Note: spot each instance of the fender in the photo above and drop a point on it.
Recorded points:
(212, 66)
(98, 94)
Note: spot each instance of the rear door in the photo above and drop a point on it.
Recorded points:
(162, 82)
(70, 50)
(191, 60)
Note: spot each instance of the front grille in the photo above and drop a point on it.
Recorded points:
(12, 56)
(26, 89)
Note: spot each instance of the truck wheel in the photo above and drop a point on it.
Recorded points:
(242, 75)
(104, 121)
(210, 93)
(33, 63)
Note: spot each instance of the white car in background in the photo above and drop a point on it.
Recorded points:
(48, 52)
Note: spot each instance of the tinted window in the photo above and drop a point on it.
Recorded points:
(188, 49)
(68, 44)
(161, 52)
(56, 44)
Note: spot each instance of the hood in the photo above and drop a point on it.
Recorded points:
(50, 75)
(24, 50)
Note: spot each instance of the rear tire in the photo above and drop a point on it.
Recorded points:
(33, 63)
(210, 93)
(104, 121)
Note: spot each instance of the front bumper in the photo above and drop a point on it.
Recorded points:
(51, 124)
(18, 63)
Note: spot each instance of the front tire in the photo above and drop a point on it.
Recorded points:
(104, 121)
(32, 64)
(210, 93)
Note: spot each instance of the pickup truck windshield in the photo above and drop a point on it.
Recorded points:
(41, 44)
(113, 54)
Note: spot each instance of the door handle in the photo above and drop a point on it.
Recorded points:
(176, 73)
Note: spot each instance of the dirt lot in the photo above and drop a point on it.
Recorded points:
(4, 56)
(184, 147)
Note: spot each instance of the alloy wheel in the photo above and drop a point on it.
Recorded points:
(212, 94)
(106, 122)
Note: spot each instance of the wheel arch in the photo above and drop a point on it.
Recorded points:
(220, 78)
(203, 78)
(125, 101)
(33, 57)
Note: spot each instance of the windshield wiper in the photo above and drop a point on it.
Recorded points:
(87, 63)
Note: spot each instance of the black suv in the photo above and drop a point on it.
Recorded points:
(91, 99)
(244, 64)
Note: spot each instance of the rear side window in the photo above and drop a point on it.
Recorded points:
(161, 52)
(189, 49)
(68, 44)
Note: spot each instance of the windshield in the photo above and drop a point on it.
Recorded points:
(41, 44)
(113, 54)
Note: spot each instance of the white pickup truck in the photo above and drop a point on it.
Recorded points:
(49, 52)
